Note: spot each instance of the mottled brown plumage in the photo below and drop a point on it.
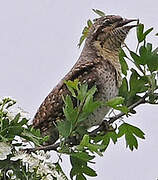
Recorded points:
(97, 65)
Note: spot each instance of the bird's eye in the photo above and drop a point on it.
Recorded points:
(106, 22)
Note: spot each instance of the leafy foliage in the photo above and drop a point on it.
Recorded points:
(99, 12)
(85, 32)
(87, 28)
(130, 132)
(139, 85)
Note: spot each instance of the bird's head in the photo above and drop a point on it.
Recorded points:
(109, 32)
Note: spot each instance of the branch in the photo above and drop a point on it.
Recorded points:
(45, 148)
(141, 101)
(106, 124)
(104, 127)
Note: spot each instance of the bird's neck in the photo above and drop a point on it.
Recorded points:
(110, 55)
(90, 52)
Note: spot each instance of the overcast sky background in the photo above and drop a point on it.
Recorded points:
(38, 46)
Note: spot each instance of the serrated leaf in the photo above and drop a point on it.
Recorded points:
(14, 130)
(106, 139)
(72, 85)
(148, 31)
(138, 132)
(85, 140)
(124, 66)
(140, 34)
(77, 163)
(130, 132)
(83, 156)
(115, 101)
(4, 124)
(89, 171)
(16, 119)
(80, 177)
(23, 122)
(140, 29)
(113, 136)
(135, 57)
(82, 92)
(92, 91)
(152, 62)
(149, 47)
(123, 91)
(89, 23)
(82, 38)
(131, 141)
(70, 112)
(99, 12)
(65, 128)
(85, 32)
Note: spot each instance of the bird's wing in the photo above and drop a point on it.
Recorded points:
(51, 108)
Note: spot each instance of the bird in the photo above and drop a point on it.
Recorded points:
(98, 64)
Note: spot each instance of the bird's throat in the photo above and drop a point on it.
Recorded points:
(111, 56)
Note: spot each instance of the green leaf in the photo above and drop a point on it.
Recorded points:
(138, 84)
(152, 62)
(89, 171)
(23, 122)
(92, 91)
(123, 91)
(89, 23)
(4, 123)
(82, 92)
(16, 119)
(131, 141)
(130, 132)
(99, 12)
(83, 156)
(135, 57)
(72, 85)
(65, 128)
(77, 163)
(113, 136)
(106, 139)
(89, 107)
(140, 34)
(124, 66)
(148, 31)
(82, 38)
(85, 32)
(140, 29)
(70, 112)
(80, 177)
(115, 101)
(85, 140)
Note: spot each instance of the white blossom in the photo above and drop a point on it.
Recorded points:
(19, 155)
(41, 155)
(5, 150)
(10, 174)
(41, 162)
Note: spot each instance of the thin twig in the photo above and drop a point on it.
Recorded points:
(141, 101)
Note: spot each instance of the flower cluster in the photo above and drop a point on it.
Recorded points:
(41, 163)
(16, 134)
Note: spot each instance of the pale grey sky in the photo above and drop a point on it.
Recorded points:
(38, 46)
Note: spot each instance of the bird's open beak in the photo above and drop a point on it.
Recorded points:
(127, 21)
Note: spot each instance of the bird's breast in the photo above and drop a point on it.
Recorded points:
(107, 89)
